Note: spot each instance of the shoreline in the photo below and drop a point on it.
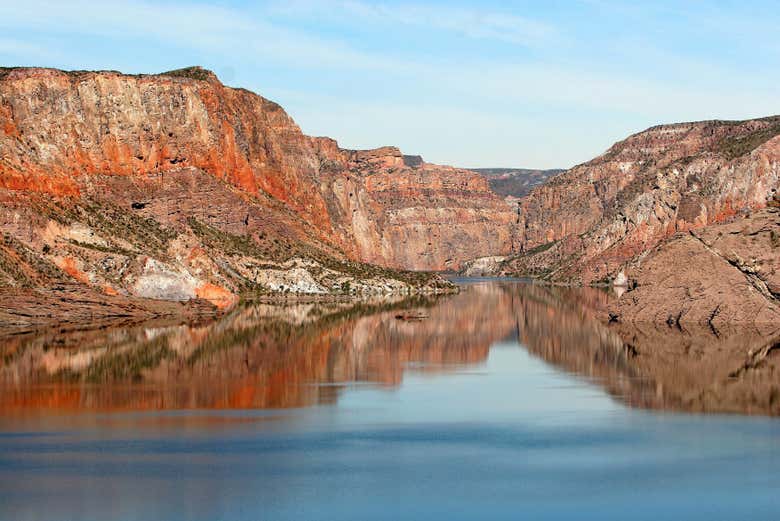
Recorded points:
(70, 307)
(75, 307)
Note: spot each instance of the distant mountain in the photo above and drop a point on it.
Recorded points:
(515, 182)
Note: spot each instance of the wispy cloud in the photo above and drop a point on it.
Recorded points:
(476, 22)
(136, 16)
(518, 92)
(249, 39)
(212, 29)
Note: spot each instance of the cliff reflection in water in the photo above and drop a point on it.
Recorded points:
(260, 356)
(274, 356)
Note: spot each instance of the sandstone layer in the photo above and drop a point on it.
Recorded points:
(665, 212)
(176, 187)
(197, 238)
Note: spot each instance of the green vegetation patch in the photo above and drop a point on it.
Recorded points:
(145, 233)
(282, 249)
(540, 249)
(5, 71)
(115, 250)
(774, 239)
(360, 270)
(15, 256)
(733, 147)
(226, 242)
(193, 73)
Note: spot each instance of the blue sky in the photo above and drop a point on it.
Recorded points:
(524, 83)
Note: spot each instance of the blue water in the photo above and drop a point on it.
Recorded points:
(509, 437)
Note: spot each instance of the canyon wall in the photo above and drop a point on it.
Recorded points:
(710, 278)
(586, 224)
(72, 134)
(415, 215)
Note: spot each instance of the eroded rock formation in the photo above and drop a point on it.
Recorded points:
(584, 225)
(713, 278)
(647, 214)
(146, 142)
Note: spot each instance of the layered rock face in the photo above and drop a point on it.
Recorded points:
(181, 236)
(72, 134)
(584, 225)
(412, 214)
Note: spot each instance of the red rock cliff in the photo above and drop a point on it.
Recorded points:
(63, 132)
(587, 223)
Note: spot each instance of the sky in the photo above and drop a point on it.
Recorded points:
(536, 84)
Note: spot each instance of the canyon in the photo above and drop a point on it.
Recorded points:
(118, 190)
(683, 216)
(65, 133)
(176, 187)
(585, 224)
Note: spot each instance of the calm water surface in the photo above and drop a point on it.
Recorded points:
(507, 401)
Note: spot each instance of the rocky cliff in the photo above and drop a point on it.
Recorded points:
(72, 133)
(175, 186)
(399, 211)
(584, 225)
(180, 236)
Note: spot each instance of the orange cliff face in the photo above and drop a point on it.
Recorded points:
(64, 127)
(409, 213)
(585, 224)
(62, 133)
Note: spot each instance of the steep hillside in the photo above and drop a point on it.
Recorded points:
(195, 238)
(586, 224)
(176, 187)
(399, 211)
(75, 133)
